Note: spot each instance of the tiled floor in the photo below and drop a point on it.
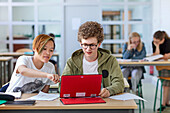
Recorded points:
(149, 86)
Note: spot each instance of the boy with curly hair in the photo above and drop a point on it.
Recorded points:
(93, 60)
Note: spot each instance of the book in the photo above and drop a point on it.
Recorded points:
(152, 58)
(17, 95)
(23, 102)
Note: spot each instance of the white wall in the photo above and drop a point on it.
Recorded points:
(161, 16)
(74, 17)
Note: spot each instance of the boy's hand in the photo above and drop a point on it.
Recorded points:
(104, 93)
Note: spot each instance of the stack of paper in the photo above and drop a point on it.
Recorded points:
(126, 96)
(44, 96)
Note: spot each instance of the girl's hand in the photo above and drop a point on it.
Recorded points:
(166, 56)
(54, 77)
(156, 44)
(131, 46)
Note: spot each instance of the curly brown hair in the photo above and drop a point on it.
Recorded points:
(91, 29)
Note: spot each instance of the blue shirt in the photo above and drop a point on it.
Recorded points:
(133, 54)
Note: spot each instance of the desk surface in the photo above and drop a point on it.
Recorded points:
(144, 63)
(5, 58)
(56, 104)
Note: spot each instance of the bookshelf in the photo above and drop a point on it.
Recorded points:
(113, 31)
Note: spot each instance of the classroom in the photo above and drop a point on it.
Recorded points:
(126, 40)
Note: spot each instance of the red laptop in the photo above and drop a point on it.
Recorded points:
(81, 89)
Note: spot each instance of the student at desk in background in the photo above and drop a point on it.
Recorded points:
(53, 61)
(93, 60)
(134, 49)
(161, 45)
(35, 73)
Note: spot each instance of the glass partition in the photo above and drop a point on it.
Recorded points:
(49, 13)
(139, 13)
(3, 13)
(23, 0)
(25, 31)
(4, 34)
(23, 13)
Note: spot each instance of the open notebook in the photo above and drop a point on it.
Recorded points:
(152, 58)
(81, 89)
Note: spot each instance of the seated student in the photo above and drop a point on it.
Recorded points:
(133, 49)
(53, 61)
(35, 73)
(92, 60)
(161, 45)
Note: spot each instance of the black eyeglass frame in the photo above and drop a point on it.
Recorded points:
(92, 46)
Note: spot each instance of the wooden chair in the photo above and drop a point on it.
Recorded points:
(140, 93)
(161, 79)
(22, 50)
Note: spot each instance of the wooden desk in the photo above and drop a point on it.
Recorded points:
(144, 63)
(120, 55)
(17, 54)
(5, 69)
(111, 106)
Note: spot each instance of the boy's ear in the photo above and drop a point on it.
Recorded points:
(99, 44)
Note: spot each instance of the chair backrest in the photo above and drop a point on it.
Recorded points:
(23, 50)
(162, 67)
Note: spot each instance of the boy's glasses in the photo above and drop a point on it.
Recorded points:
(85, 46)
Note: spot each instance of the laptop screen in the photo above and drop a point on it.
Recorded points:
(80, 85)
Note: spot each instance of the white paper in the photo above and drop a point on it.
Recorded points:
(126, 96)
(76, 23)
(129, 60)
(44, 96)
(124, 60)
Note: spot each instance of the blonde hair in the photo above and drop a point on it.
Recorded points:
(135, 34)
(40, 41)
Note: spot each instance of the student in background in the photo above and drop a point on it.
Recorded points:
(134, 49)
(53, 61)
(92, 60)
(35, 73)
(161, 45)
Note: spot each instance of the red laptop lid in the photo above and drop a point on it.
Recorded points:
(80, 85)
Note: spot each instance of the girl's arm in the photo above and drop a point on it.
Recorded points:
(157, 50)
(23, 70)
(46, 88)
(127, 54)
